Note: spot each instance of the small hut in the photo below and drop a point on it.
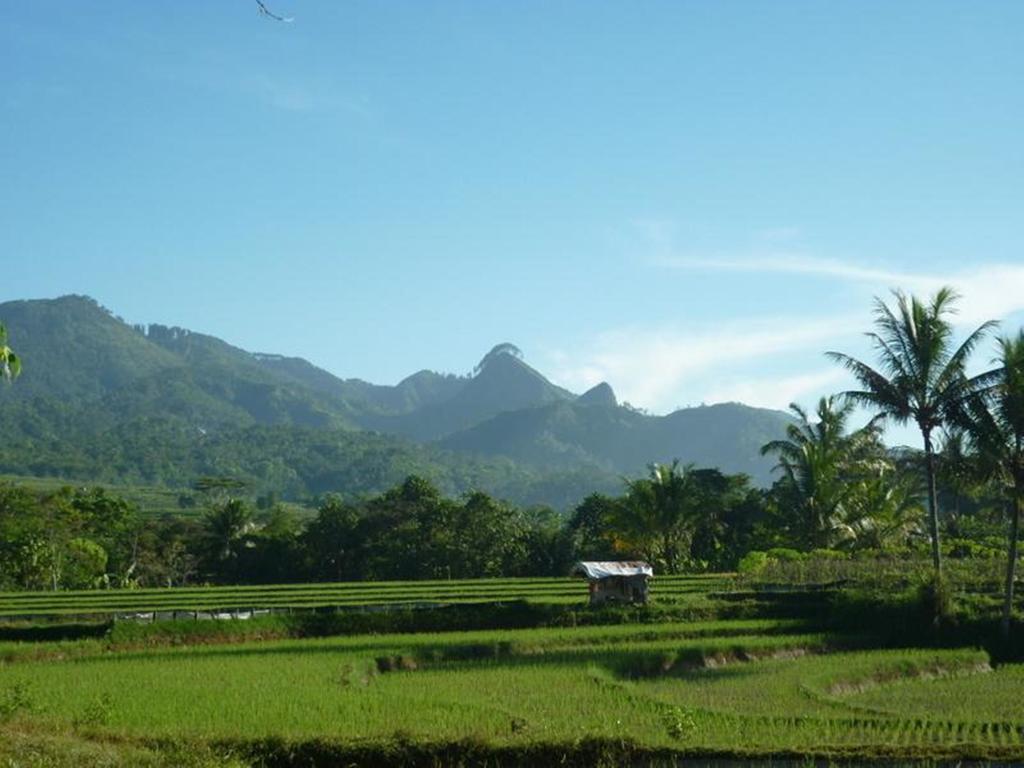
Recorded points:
(615, 582)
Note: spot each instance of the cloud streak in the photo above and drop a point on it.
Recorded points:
(657, 368)
(778, 392)
(649, 367)
(987, 290)
(660, 367)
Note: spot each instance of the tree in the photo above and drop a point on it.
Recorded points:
(820, 463)
(729, 510)
(590, 527)
(657, 517)
(225, 524)
(995, 423)
(955, 468)
(113, 524)
(10, 363)
(331, 540)
(922, 378)
(23, 552)
(486, 538)
(884, 507)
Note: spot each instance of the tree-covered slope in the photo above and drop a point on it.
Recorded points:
(77, 352)
(421, 389)
(73, 349)
(100, 399)
(618, 439)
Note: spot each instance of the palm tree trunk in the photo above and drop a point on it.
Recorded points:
(1011, 565)
(933, 502)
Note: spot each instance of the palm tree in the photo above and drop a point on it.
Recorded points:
(225, 524)
(995, 423)
(819, 462)
(922, 377)
(10, 363)
(658, 514)
(955, 467)
(885, 508)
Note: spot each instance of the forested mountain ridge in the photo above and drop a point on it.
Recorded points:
(566, 434)
(101, 399)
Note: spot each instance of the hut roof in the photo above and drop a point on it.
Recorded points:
(607, 568)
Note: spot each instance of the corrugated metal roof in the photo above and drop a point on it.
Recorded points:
(606, 568)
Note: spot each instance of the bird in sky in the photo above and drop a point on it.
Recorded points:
(264, 11)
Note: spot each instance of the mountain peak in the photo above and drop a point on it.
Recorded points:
(499, 352)
(602, 394)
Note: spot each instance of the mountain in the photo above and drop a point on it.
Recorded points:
(503, 383)
(602, 394)
(421, 389)
(620, 440)
(99, 398)
(74, 350)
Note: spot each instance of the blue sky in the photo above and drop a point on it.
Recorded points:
(692, 200)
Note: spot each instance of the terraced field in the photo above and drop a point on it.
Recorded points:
(737, 689)
(665, 589)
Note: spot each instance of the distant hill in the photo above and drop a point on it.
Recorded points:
(570, 434)
(100, 399)
(75, 350)
(419, 390)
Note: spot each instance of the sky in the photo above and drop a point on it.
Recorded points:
(690, 200)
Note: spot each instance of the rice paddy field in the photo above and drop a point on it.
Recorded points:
(746, 690)
(560, 591)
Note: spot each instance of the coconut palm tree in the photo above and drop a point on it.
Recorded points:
(885, 508)
(921, 376)
(995, 423)
(225, 524)
(658, 514)
(10, 363)
(955, 467)
(819, 462)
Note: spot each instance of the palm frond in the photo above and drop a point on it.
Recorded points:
(957, 362)
(879, 392)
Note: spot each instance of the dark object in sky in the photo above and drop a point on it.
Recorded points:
(264, 11)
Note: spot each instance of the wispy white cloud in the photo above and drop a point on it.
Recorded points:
(987, 291)
(652, 367)
(779, 392)
(786, 263)
(661, 367)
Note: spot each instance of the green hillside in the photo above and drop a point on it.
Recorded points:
(616, 439)
(73, 349)
(100, 400)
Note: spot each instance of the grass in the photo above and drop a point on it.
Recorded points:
(626, 686)
(758, 687)
(971, 699)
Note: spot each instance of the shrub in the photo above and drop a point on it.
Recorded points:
(827, 554)
(785, 555)
(753, 562)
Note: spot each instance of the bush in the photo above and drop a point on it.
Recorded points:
(827, 554)
(785, 555)
(753, 562)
